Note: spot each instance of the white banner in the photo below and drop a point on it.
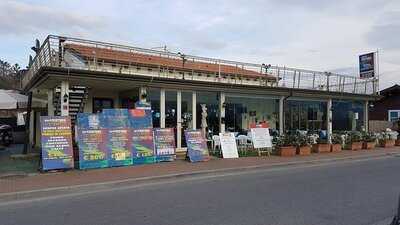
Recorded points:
(261, 138)
(228, 145)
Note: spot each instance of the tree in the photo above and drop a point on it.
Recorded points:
(10, 75)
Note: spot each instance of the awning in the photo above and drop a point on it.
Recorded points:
(10, 99)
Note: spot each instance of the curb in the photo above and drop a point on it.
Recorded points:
(102, 186)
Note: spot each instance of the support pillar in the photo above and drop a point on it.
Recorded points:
(178, 119)
(281, 114)
(64, 98)
(222, 112)
(329, 121)
(162, 108)
(50, 104)
(366, 116)
(194, 110)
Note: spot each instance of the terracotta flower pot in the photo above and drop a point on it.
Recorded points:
(397, 143)
(287, 151)
(304, 150)
(355, 146)
(388, 143)
(321, 148)
(336, 147)
(369, 145)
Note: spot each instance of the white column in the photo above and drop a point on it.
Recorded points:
(194, 110)
(64, 98)
(50, 104)
(281, 114)
(366, 116)
(222, 112)
(329, 120)
(162, 108)
(178, 119)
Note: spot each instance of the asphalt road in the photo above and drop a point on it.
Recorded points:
(357, 192)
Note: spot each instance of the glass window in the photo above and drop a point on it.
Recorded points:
(153, 96)
(347, 115)
(102, 103)
(211, 101)
(394, 115)
(241, 112)
(305, 115)
(170, 109)
(187, 115)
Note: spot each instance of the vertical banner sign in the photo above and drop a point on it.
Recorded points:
(164, 139)
(140, 118)
(260, 137)
(57, 151)
(196, 146)
(367, 65)
(116, 123)
(91, 140)
(142, 146)
(228, 145)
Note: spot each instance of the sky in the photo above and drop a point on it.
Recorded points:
(322, 35)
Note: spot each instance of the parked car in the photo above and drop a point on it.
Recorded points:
(6, 135)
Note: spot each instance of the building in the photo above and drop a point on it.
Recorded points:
(77, 75)
(388, 107)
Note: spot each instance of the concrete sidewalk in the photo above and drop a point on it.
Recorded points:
(178, 168)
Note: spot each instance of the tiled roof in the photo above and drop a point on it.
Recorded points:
(110, 55)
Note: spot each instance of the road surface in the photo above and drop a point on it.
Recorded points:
(358, 192)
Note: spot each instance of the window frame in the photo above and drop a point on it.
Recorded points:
(393, 110)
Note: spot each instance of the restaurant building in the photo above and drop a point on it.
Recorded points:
(77, 75)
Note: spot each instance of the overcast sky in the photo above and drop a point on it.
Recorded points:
(326, 35)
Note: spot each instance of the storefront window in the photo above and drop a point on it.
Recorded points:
(305, 115)
(347, 115)
(241, 112)
(153, 96)
(102, 103)
(211, 101)
(170, 109)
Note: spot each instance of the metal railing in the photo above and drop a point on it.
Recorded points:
(52, 54)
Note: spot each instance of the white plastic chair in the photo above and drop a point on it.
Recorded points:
(242, 143)
(216, 143)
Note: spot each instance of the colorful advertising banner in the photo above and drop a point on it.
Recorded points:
(56, 138)
(228, 145)
(196, 146)
(164, 139)
(114, 118)
(91, 141)
(142, 146)
(140, 118)
(119, 146)
(367, 65)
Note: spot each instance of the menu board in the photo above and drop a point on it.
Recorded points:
(91, 141)
(228, 145)
(142, 146)
(56, 139)
(164, 140)
(196, 146)
(140, 118)
(119, 146)
(261, 138)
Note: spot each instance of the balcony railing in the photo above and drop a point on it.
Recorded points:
(52, 54)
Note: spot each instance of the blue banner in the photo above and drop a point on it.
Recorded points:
(164, 141)
(143, 146)
(196, 146)
(140, 118)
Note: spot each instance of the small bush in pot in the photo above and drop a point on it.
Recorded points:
(369, 140)
(303, 144)
(387, 138)
(337, 142)
(354, 140)
(322, 146)
(285, 145)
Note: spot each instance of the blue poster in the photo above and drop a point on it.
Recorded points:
(142, 146)
(196, 146)
(140, 118)
(114, 118)
(164, 141)
(91, 139)
(56, 139)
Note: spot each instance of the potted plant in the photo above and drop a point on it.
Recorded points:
(285, 144)
(322, 146)
(369, 140)
(303, 144)
(397, 142)
(388, 138)
(337, 142)
(354, 141)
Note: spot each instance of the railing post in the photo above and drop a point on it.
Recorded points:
(313, 81)
(294, 79)
(298, 80)
(355, 84)
(327, 81)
